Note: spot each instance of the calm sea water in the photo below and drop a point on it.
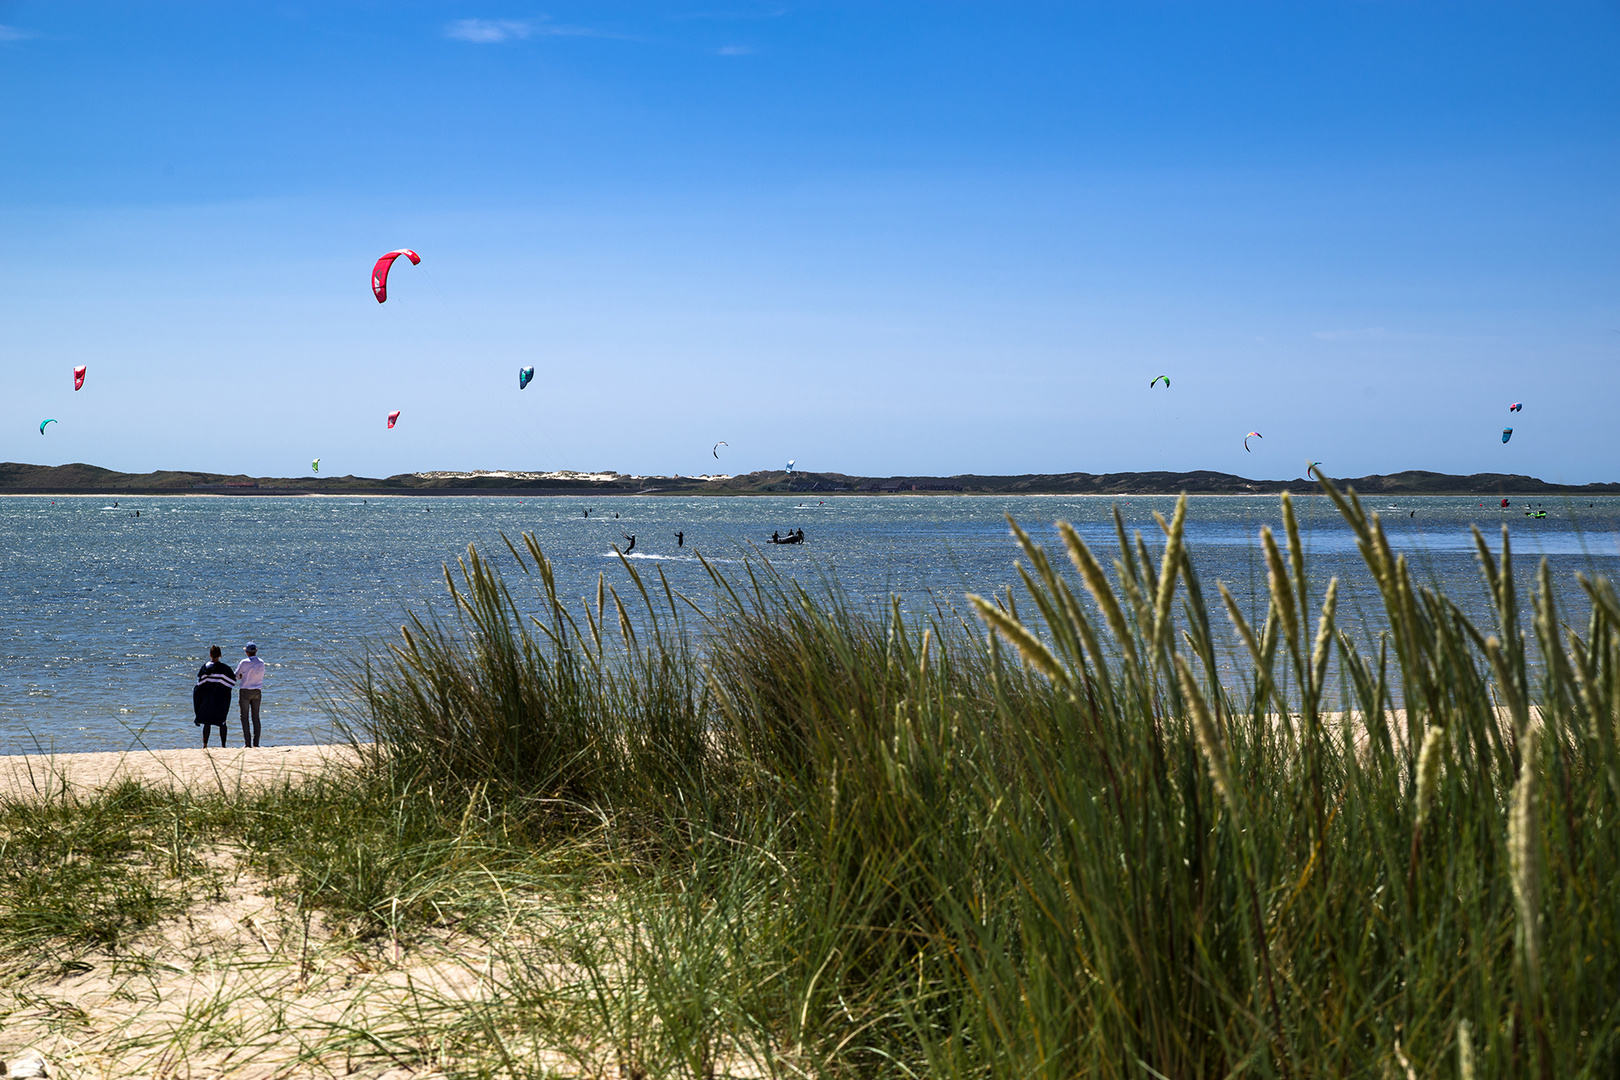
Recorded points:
(106, 616)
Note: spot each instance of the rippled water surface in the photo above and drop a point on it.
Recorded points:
(107, 616)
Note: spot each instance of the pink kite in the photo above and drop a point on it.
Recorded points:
(393, 417)
(379, 273)
(78, 377)
(1251, 435)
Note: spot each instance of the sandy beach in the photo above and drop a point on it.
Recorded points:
(232, 769)
(278, 986)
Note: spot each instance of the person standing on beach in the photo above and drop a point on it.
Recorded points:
(250, 673)
(211, 697)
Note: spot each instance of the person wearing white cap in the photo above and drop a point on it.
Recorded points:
(250, 674)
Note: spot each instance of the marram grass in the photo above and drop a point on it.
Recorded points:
(1088, 829)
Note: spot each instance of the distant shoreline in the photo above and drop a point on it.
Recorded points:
(62, 481)
(520, 493)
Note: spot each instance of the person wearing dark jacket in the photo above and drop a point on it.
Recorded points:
(211, 697)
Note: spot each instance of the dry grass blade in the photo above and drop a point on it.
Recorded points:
(1096, 582)
(1027, 644)
(1209, 739)
(1170, 568)
(1282, 591)
(1524, 852)
(1430, 758)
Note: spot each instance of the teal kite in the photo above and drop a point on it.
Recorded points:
(42, 424)
(1507, 433)
(524, 375)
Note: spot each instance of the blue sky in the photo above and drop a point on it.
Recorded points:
(872, 237)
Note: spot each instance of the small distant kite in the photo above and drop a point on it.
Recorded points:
(393, 418)
(1156, 379)
(1251, 435)
(524, 375)
(790, 466)
(717, 447)
(1507, 433)
(1314, 465)
(315, 466)
(78, 376)
(42, 424)
(379, 273)
(1516, 406)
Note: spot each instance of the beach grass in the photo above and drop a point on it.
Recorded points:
(89, 873)
(1106, 826)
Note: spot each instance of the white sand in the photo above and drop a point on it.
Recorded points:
(229, 769)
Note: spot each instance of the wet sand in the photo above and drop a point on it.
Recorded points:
(232, 769)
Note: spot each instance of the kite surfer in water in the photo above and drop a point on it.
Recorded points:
(680, 538)
(632, 540)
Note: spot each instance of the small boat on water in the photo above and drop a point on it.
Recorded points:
(790, 538)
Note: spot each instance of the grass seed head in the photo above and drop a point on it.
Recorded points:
(1209, 740)
(1429, 759)
(1525, 856)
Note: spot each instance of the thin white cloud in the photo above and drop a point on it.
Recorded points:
(497, 31)
(488, 31)
(15, 33)
(735, 50)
